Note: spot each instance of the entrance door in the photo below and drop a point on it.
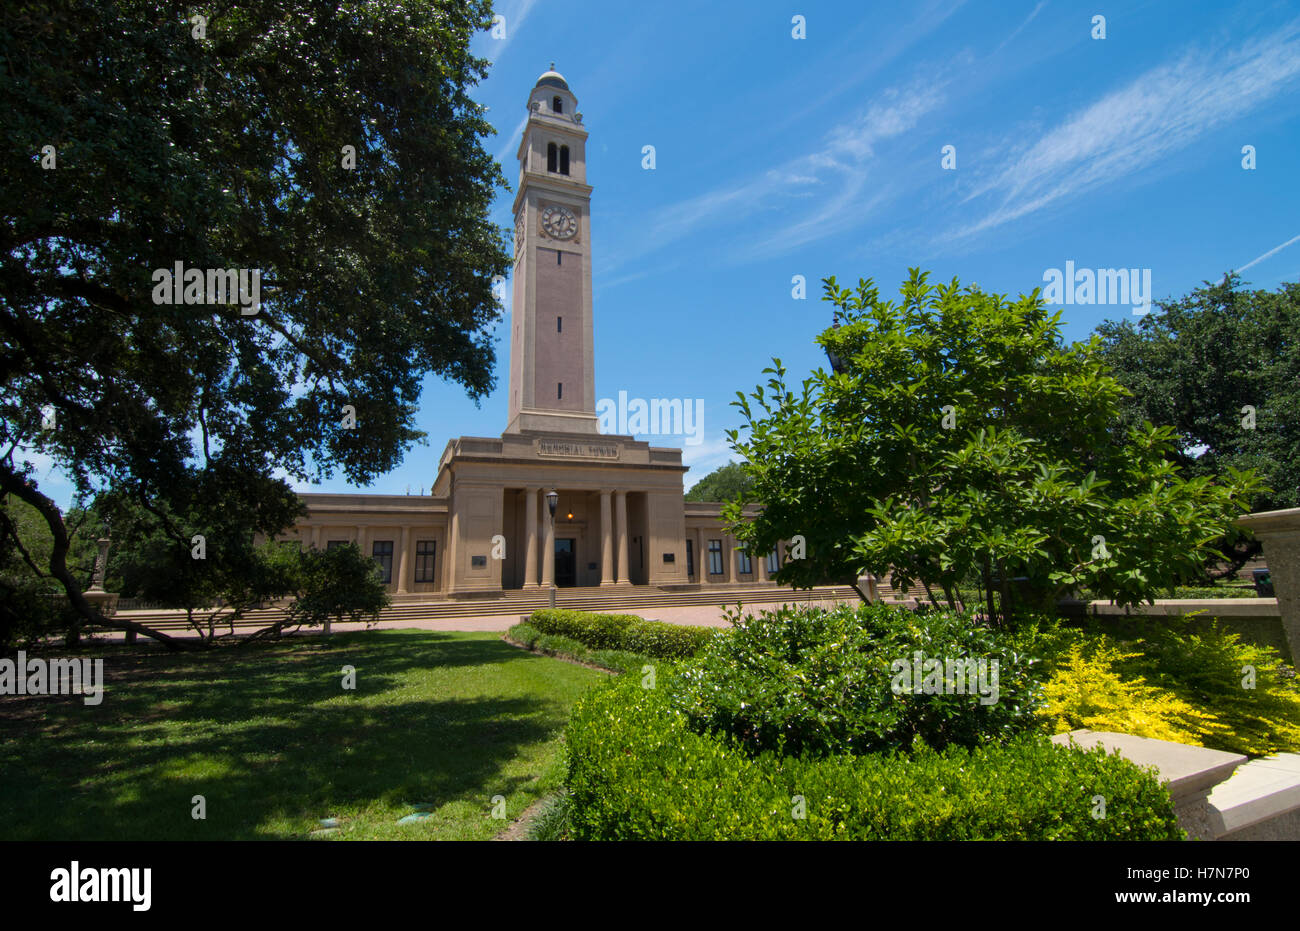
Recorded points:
(566, 575)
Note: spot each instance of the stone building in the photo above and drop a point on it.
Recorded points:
(487, 526)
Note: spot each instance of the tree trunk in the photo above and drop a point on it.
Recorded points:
(1005, 590)
(13, 483)
(988, 591)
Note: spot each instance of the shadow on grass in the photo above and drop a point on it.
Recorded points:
(271, 739)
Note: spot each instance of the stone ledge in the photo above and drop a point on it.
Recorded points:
(1264, 790)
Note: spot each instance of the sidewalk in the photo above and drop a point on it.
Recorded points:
(690, 616)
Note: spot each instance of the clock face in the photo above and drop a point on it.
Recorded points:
(559, 222)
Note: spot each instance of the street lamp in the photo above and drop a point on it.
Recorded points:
(552, 497)
(837, 364)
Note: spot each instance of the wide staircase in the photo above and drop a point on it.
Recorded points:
(433, 607)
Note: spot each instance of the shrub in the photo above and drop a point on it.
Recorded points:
(1087, 691)
(623, 632)
(801, 680)
(1208, 668)
(1205, 669)
(531, 638)
(638, 771)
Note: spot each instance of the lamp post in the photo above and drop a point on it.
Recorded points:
(837, 364)
(552, 498)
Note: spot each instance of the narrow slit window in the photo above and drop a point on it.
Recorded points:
(559, 324)
(557, 104)
(551, 155)
(558, 255)
(559, 391)
(564, 159)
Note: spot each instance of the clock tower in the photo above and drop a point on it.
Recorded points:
(552, 385)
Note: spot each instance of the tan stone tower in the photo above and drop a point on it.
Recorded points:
(552, 382)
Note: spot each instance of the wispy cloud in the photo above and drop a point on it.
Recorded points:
(515, 14)
(817, 194)
(1021, 28)
(510, 144)
(704, 458)
(1133, 128)
(1270, 253)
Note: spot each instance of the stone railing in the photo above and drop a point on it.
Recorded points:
(1279, 532)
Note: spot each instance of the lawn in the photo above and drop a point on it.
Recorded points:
(438, 722)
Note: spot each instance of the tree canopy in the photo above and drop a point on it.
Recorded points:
(1221, 366)
(964, 443)
(331, 158)
(722, 484)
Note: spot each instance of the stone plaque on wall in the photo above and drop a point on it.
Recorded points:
(577, 449)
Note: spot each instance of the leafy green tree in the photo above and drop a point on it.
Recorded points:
(221, 573)
(32, 603)
(199, 553)
(334, 151)
(722, 484)
(964, 439)
(1221, 366)
(337, 584)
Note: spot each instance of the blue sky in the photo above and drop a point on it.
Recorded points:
(778, 156)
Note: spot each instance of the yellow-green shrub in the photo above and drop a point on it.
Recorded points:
(1086, 690)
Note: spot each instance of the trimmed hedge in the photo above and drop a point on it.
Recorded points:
(807, 680)
(636, 771)
(625, 632)
(567, 648)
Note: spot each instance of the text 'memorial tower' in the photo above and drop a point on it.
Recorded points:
(552, 384)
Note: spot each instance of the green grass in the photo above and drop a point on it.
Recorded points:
(273, 742)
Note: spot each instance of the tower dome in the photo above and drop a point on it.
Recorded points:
(552, 78)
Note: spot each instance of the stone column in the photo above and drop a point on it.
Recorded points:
(620, 520)
(701, 558)
(404, 563)
(729, 551)
(548, 549)
(451, 551)
(606, 540)
(530, 538)
(361, 539)
(760, 568)
(315, 537)
(1279, 532)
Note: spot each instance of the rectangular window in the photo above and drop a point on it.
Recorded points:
(558, 256)
(383, 553)
(425, 558)
(715, 557)
(773, 562)
(690, 557)
(746, 564)
(559, 391)
(336, 543)
(559, 324)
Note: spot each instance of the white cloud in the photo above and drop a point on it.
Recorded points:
(830, 182)
(704, 458)
(1134, 128)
